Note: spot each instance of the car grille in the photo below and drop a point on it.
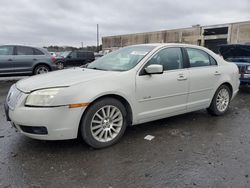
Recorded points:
(13, 97)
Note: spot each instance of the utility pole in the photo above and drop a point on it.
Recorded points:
(97, 38)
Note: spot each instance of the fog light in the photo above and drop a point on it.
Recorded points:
(34, 130)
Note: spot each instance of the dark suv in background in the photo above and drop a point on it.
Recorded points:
(15, 59)
(75, 58)
(240, 55)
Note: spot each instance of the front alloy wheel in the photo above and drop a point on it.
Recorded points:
(104, 123)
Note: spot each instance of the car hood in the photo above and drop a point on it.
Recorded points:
(60, 78)
(234, 50)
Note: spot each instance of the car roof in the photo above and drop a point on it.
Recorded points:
(160, 45)
(169, 44)
(44, 50)
(84, 51)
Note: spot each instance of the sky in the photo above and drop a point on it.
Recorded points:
(70, 22)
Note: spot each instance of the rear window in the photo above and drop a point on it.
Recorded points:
(37, 52)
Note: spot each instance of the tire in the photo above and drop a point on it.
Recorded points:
(221, 101)
(104, 123)
(60, 65)
(41, 69)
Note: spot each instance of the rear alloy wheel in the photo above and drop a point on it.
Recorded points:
(41, 69)
(221, 101)
(104, 123)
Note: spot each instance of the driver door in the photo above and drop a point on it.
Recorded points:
(162, 95)
(72, 59)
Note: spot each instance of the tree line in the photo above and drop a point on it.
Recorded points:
(71, 48)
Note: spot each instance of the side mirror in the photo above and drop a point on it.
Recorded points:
(154, 69)
(69, 56)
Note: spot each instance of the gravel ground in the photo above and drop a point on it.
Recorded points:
(191, 150)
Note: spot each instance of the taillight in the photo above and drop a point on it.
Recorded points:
(53, 59)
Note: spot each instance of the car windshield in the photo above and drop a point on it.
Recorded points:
(65, 54)
(121, 60)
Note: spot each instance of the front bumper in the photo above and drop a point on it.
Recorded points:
(61, 123)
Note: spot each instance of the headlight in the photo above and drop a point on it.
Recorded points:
(42, 97)
(248, 68)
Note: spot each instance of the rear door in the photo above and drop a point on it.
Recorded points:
(204, 75)
(6, 59)
(24, 59)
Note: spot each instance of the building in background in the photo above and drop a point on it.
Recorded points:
(208, 36)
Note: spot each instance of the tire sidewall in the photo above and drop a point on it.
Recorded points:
(85, 125)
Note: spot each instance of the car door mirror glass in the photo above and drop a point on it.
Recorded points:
(154, 69)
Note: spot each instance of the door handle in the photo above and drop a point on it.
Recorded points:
(9, 59)
(217, 73)
(34, 59)
(181, 77)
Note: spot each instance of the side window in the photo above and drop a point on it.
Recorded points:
(6, 50)
(22, 50)
(80, 54)
(169, 58)
(73, 55)
(37, 52)
(212, 61)
(199, 58)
